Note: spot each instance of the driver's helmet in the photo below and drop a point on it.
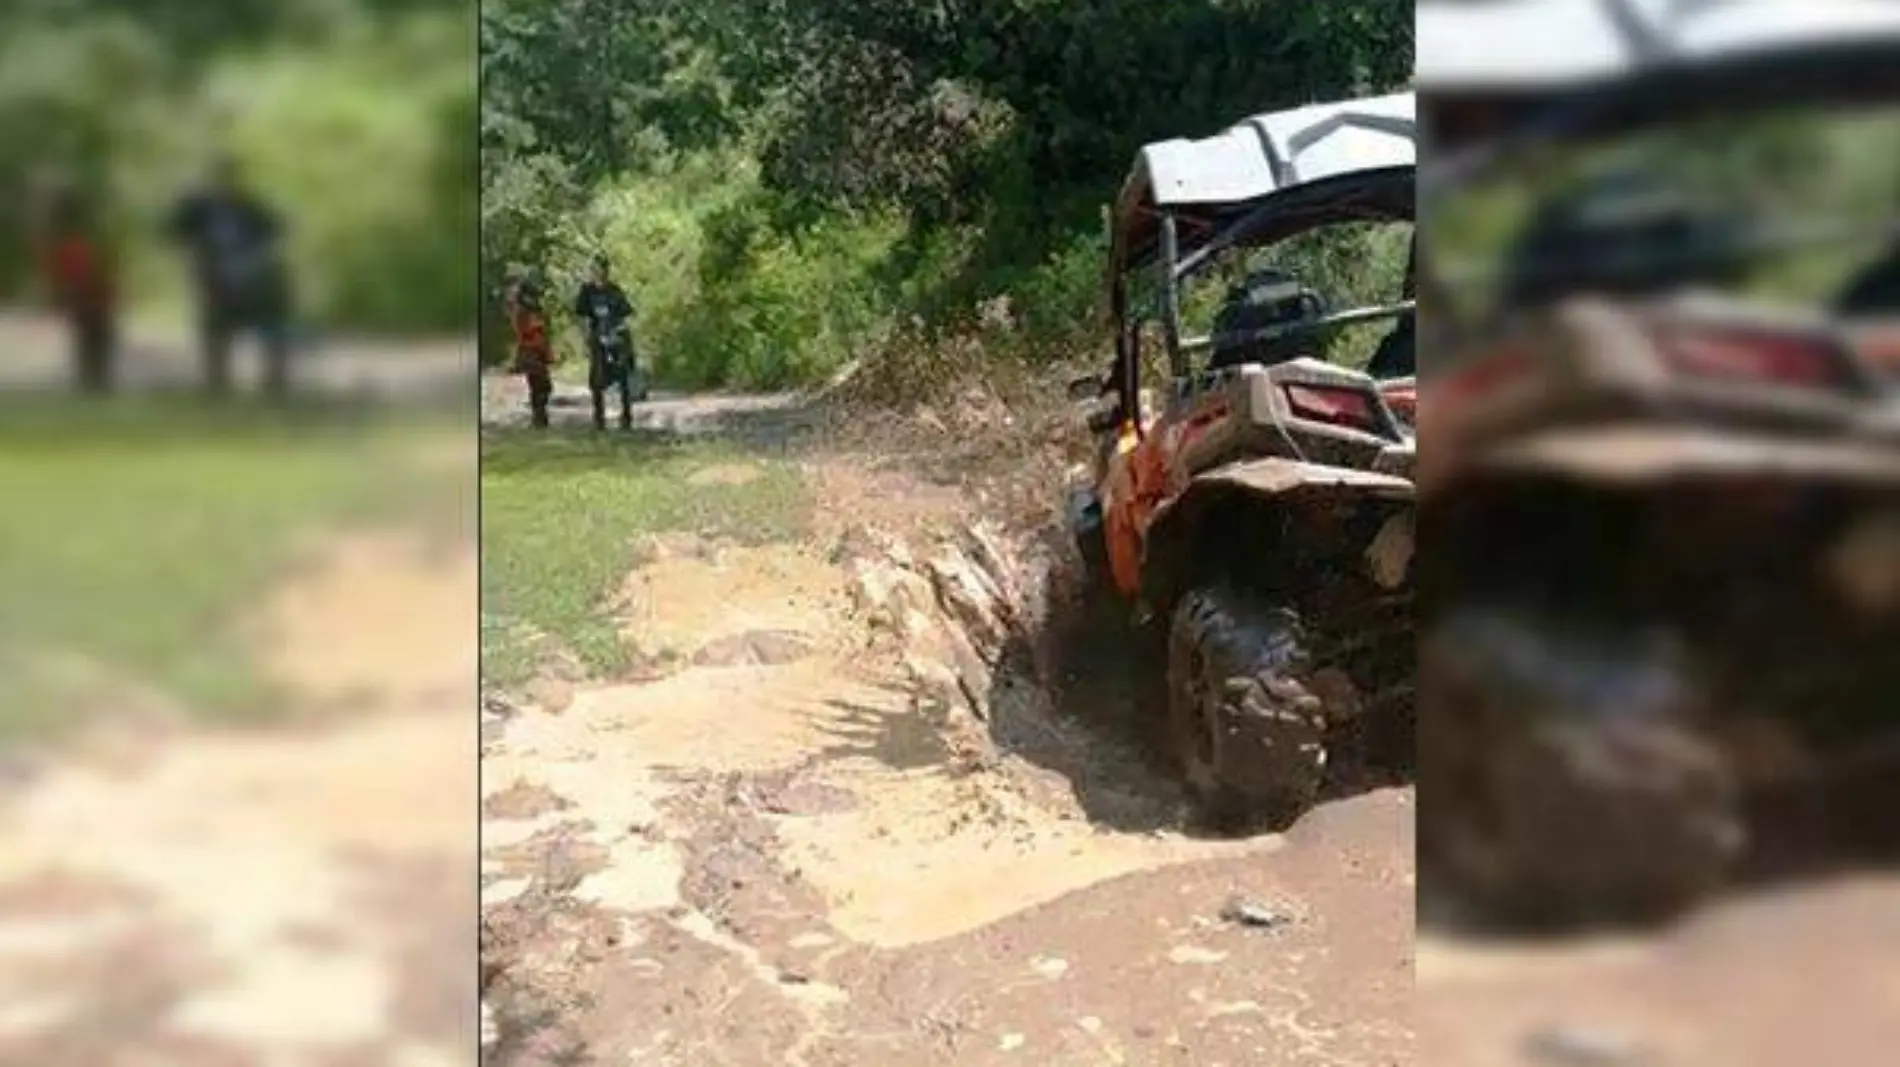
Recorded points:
(1621, 232)
(1267, 299)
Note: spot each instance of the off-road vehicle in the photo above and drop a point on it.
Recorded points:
(1258, 507)
(1659, 491)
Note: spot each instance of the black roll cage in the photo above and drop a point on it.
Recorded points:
(1384, 194)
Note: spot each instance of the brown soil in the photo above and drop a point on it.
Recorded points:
(803, 863)
(294, 896)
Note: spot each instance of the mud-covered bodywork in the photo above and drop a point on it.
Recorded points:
(1262, 509)
(1663, 592)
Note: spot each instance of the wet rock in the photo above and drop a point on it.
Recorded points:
(861, 543)
(552, 695)
(805, 798)
(971, 599)
(944, 658)
(955, 614)
(1050, 967)
(987, 550)
(934, 682)
(1246, 911)
(497, 705)
(888, 593)
(522, 800)
(756, 648)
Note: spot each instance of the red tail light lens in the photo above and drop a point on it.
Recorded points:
(1746, 357)
(1340, 407)
(1482, 375)
(1403, 400)
(1880, 349)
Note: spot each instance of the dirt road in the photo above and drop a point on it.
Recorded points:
(181, 891)
(1801, 976)
(771, 416)
(35, 349)
(777, 852)
(300, 896)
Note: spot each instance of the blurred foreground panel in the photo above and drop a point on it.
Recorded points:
(1660, 478)
(238, 635)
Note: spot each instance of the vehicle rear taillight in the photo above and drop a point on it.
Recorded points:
(1766, 359)
(1879, 348)
(1402, 399)
(1339, 407)
(1483, 375)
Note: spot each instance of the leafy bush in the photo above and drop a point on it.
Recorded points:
(353, 116)
(788, 188)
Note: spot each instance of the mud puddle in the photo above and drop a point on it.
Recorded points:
(294, 895)
(815, 859)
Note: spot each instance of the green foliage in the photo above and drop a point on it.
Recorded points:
(352, 115)
(789, 186)
(1835, 170)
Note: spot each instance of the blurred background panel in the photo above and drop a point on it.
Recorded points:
(1660, 486)
(238, 640)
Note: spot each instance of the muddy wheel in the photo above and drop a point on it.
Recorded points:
(1245, 732)
(1567, 782)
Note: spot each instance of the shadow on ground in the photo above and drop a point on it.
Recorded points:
(1083, 694)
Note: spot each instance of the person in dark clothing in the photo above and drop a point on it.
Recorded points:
(235, 241)
(534, 352)
(79, 277)
(606, 313)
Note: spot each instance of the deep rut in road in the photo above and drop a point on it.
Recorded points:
(848, 828)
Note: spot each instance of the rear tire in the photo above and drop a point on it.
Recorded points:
(1245, 732)
(1568, 783)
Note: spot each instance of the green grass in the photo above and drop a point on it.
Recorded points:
(563, 518)
(134, 535)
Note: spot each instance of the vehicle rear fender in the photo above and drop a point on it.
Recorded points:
(1299, 498)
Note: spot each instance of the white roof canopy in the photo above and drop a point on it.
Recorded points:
(1548, 44)
(1276, 150)
(1310, 152)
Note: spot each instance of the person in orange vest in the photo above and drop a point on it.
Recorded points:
(534, 351)
(78, 275)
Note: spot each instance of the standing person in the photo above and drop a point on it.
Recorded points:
(607, 314)
(534, 352)
(79, 278)
(235, 241)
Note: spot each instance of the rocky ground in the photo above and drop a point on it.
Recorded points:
(837, 821)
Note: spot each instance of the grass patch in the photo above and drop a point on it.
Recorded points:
(135, 534)
(563, 516)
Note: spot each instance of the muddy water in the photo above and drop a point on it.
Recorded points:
(809, 840)
(298, 896)
(919, 854)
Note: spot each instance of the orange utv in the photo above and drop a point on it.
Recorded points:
(1661, 482)
(1256, 507)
